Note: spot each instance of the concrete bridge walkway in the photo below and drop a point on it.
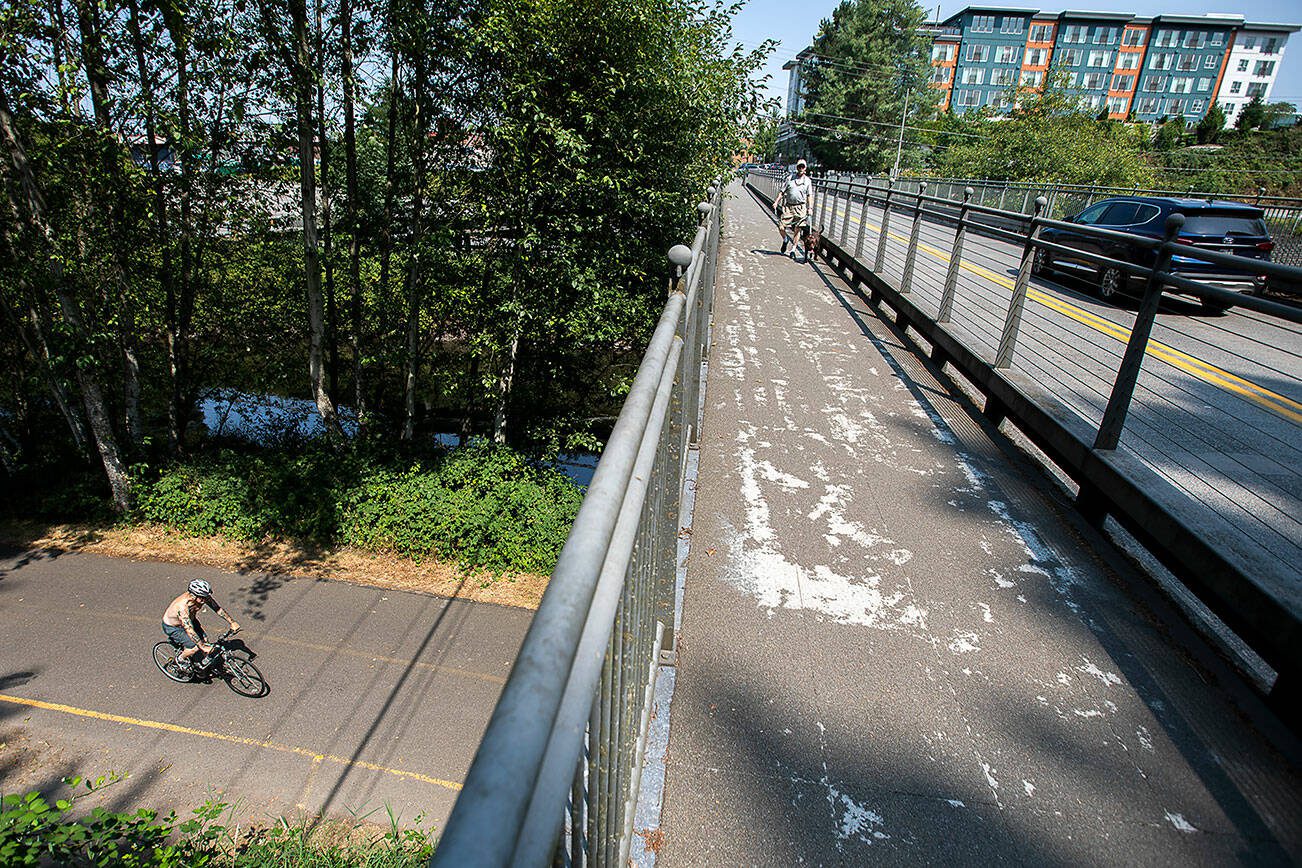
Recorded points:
(899, 647)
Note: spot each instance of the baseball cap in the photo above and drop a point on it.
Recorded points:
(801, 162)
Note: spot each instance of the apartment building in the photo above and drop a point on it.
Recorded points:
(1133, 66)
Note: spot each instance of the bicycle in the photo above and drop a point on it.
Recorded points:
(238, 672)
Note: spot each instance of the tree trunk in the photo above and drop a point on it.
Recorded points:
(332, 310)
(354, 230)
(504, 390)
(390, 168)
(413, 281)
(307, 187)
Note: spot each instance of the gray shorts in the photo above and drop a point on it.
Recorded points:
(180, 637)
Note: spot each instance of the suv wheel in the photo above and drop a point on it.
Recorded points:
(1041, 264)
(1111, 283)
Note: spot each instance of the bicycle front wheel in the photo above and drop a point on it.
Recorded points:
(244, 678)
(165, 659)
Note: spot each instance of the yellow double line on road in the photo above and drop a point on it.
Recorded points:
(232, 739)
(1178, 359)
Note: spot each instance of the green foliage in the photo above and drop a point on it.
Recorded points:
(34, 832)
(867, 59)
(483, 506)
(1252, 115)
(1047, 137)
(1244, 165)
(1171, 134)
(1211, 126)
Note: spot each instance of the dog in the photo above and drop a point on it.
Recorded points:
(812, 237)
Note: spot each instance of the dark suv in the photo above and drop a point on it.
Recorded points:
(1229, 227)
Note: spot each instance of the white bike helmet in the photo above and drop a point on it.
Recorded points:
(200, 588)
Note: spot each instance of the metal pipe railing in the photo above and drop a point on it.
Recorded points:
(567, 727)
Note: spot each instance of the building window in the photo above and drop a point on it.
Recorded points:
(1175, 107)
(1117, 105)
(1182, 85)
(1243, 66)
(1196, 107)
(1218, 39)
(1012, 25)
(974, 76)
(1271, 46)
(1211, 61)
(1257, 89)
(1069, 57)
(1041, 33)
(942, 53)
(1204, 85)
(1133, 36)
(1148, 106)
(1264, 67)
(1000, 101)
(1003, 77)
(1036, 57)
(1187, 62)
(1007, 54)
(1075, 33)
(1228, 108)
(1094, 101)
(977, 53)
(1156, 83)
(1100, 58)
(983, 24)
(940, 74)
(1094, 80)
(1104, 35)
(1129, 60)
(969, 98)
(1032, 78)
(1249, 42)
(1236, 86)
(1123, 82)
(1194, 39)
(1167, 38)
(1162, 61)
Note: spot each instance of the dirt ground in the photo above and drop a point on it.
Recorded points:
(341, 564)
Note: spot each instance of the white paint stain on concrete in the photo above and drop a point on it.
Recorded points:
(1029, 788)
(1145, 738)
(1107, 678)
(1180, 822)
(964, 642)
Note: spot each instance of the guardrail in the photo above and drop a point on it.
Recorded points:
(557, 773)
(1283, 215)
(1260, 600)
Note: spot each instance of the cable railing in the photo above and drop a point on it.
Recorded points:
(556, 777)
(1283, 214)
(1183, 428)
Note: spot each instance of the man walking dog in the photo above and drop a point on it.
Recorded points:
(795, 208)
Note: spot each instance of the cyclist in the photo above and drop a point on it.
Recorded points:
(181, 624)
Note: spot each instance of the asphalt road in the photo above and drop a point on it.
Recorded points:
(1218, 407)
(377, 698)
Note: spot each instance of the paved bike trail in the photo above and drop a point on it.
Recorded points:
(377, 699)
(899, 647)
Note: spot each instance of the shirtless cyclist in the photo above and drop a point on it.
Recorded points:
(181, 623)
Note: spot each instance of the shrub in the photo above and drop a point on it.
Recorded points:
(483, 506)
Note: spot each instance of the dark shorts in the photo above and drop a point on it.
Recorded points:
(180, 637)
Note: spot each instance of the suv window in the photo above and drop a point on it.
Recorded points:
(1119, 214)
(1091, 215)
(1223, 224)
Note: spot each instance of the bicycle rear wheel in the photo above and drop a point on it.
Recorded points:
(244, 678)
(165, 659)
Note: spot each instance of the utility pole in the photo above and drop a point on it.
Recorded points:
(899, 148)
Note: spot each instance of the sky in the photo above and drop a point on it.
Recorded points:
(794, 25)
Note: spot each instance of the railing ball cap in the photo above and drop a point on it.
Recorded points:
(704, 207)
(713, 190)
(1041, 201)
(1173, 223)
(680, 255)
(968, 192)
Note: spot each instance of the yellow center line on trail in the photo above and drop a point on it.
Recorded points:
(296, 643)
(1195, 367)
(232, 739)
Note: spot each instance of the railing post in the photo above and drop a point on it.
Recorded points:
(1114, 417)
(885, 230)
(1013, 322)
(955, 261)
(863, 217)
(845, 221)
(906, 282)
(836, 200)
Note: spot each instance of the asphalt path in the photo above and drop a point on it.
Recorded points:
(377, 698)
(1218, 407)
